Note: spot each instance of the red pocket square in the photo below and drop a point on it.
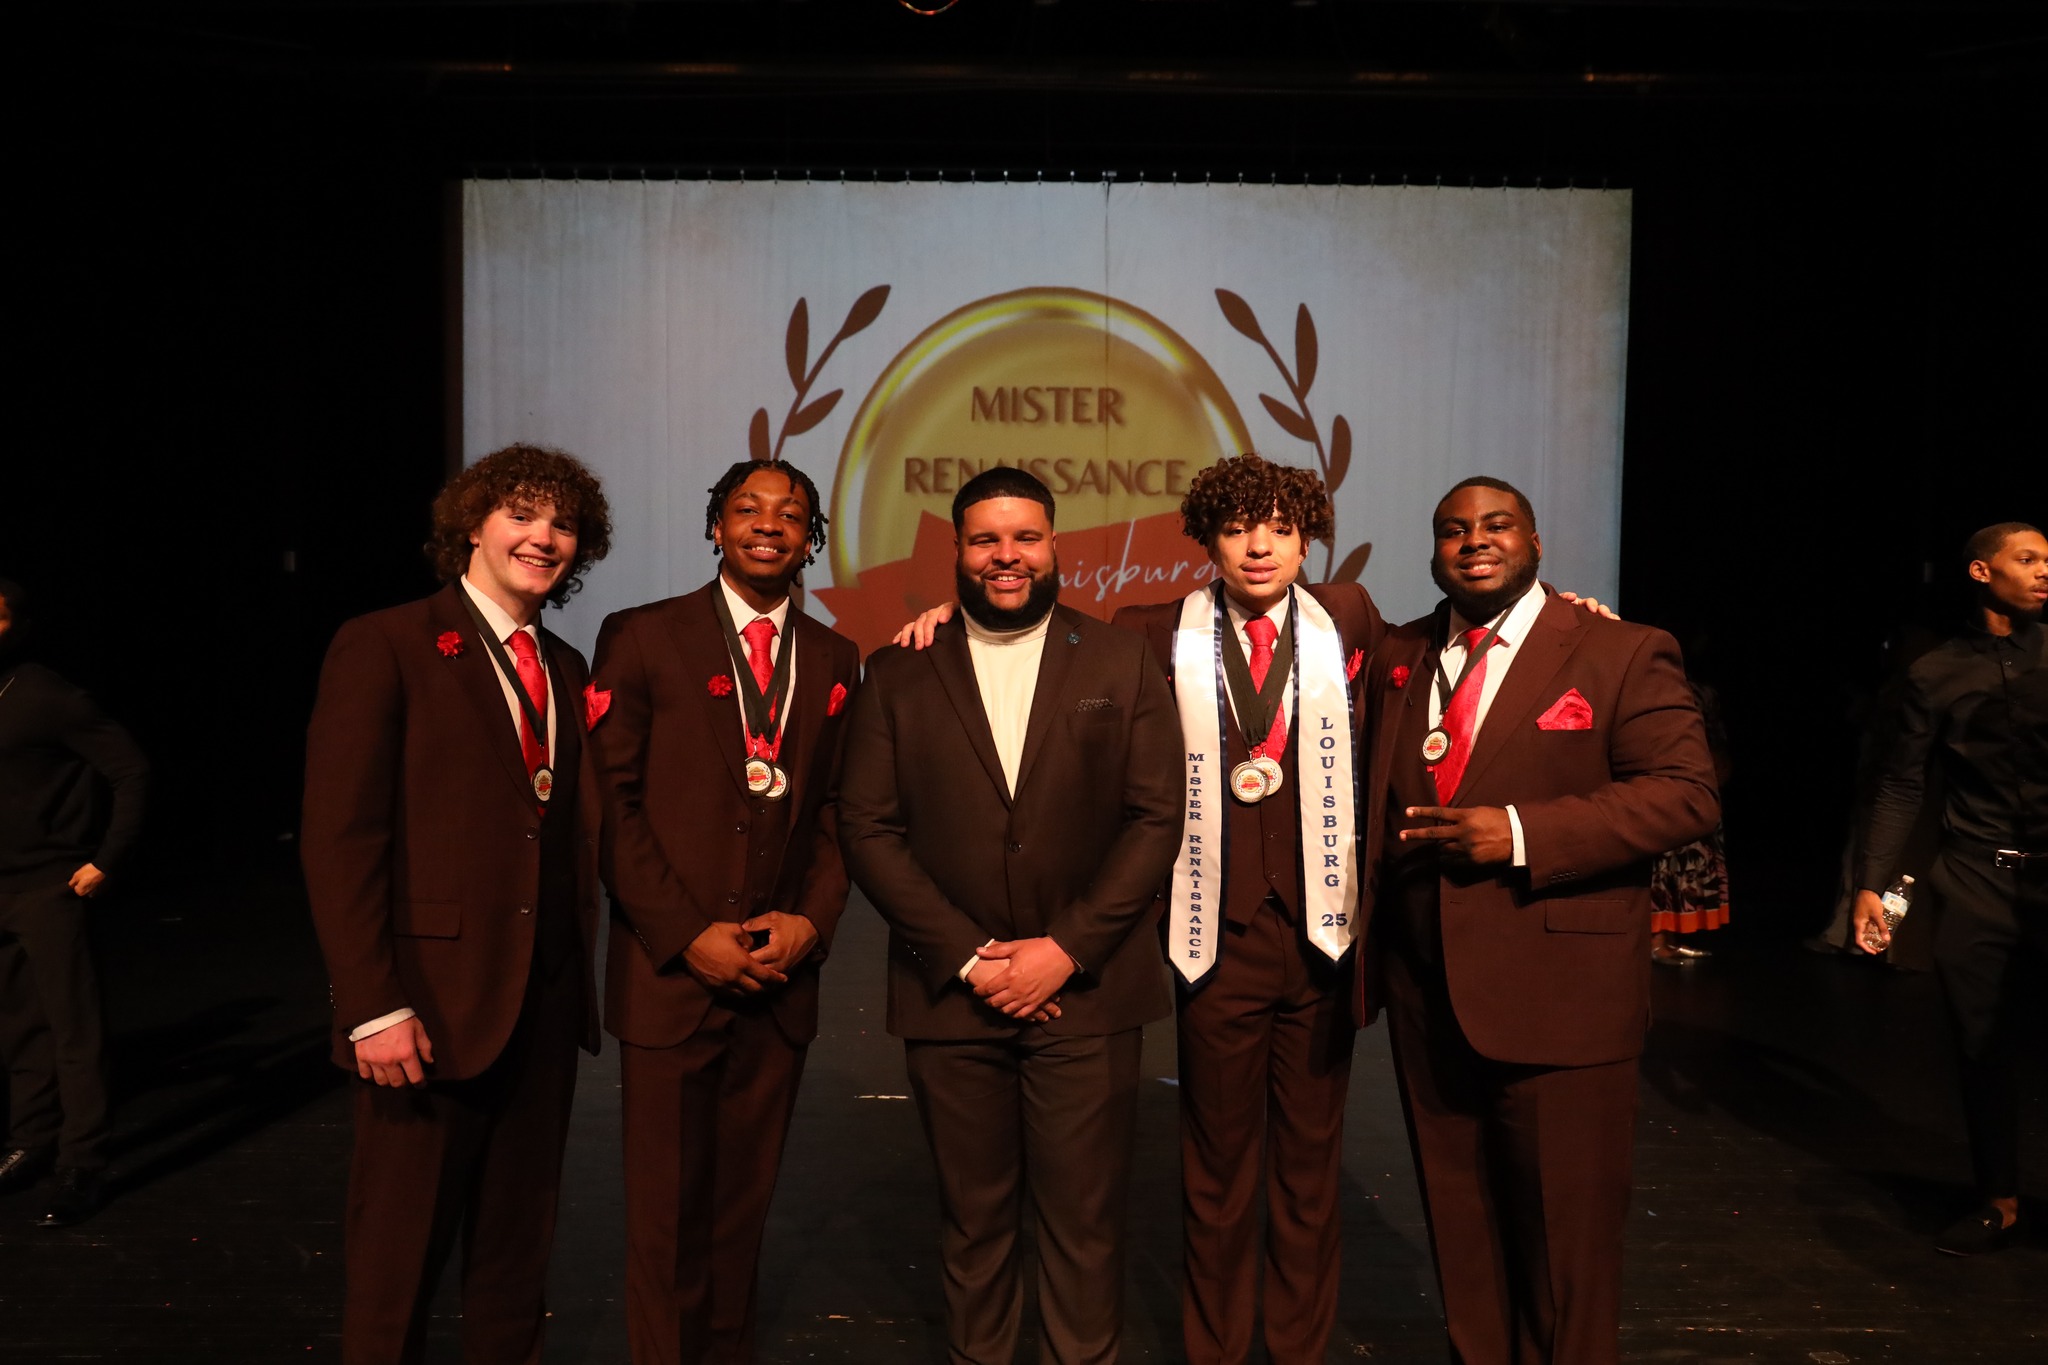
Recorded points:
(595, 704)
(1569, 712)
(836, 703)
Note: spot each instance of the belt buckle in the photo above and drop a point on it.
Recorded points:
(2009, 860)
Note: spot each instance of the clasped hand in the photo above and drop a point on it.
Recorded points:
(1480, 835)
(1022, 978)
(724, 959)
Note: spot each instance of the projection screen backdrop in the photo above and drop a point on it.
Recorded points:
(893, 339)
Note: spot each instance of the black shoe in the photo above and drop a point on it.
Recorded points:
(76, 1196)
(1976, 1233)
(21, 1167)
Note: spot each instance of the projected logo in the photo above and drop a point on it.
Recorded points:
(1110, 407)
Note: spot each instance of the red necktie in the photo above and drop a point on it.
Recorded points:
(758, 633)
(1460, 719)
(1261, 631)
(535, 679)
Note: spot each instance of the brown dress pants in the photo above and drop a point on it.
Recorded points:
(481, 1157)
(1265, 1062)
(1045, 1117)
(1525, 1174)
(705, 1123)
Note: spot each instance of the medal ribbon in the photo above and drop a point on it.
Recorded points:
(1445, 688)
(762, 712)
(1253, 706)
(496, 649)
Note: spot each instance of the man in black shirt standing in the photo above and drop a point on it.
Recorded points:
(1978, 705)
(60, 842)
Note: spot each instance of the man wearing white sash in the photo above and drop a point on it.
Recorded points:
(1262, 914)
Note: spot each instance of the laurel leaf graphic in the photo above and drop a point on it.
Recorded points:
(865, 310)
(796, 344)
(1291, 422)
(1304, 351)
(757, 435)
(1340, 452)
(1238, 314)
(1353, 565)
(811, 414)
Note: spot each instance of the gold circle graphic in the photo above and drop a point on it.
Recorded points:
(1104, 402)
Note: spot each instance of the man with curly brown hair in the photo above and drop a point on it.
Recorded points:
(1262, 911)
(450, 847)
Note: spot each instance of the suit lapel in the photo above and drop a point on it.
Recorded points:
(699, 643)
(1054, 661)
(956, 673)
(807, 700)
(476, 677)
(1536, 662)
(1393, 701)
(568, 708)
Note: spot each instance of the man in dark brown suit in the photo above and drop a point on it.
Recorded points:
(1265, 1030)
(718, 748)
(1528, 761)
(450, 847)
(1011, 805)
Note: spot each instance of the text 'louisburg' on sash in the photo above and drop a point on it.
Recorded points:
(1325, 789)
(764, 712)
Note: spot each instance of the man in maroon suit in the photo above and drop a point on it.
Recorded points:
(450, 847)
(717, 744)
(1262, 954)
(1528, 761)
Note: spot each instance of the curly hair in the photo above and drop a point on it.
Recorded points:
(1251, 488)
(520, 475)
(742, 471)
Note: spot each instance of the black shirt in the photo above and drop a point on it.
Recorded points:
(1978, 706)
(54, 816)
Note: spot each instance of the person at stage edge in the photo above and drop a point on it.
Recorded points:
(1527, 763)
(72, 786)
(1977, 706)
(1011, 805)
(717, 720)
(450, 847)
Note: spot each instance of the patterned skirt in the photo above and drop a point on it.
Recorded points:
(1689, 888)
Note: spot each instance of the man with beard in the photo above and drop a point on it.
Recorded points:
(450, 847)
(1528, 762)
(1978, 706)
(716, 724)
(1011, 805)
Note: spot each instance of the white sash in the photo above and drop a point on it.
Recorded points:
(1325, 785)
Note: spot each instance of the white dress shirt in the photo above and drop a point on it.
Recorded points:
(744, 616)
(502, 626)
(1516, 623)
(1006, 671)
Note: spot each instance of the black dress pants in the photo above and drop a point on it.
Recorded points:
(51, 1029)
(1991, 950)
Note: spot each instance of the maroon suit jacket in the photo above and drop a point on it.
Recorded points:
(682, 850)
(951, 859)
(1259, 864)
(1549, 965)
(421, 836)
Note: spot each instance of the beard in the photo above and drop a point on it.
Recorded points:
(1045, 590)
(1486, 603)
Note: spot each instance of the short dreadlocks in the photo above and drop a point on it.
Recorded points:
(742, 471)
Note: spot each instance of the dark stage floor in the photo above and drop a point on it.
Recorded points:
(1798, 1144)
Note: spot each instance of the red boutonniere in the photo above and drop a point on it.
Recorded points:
(836, 703)
(449, 643)
(720, 685)
(1353, 664)
(1398, 678)
(595, 704)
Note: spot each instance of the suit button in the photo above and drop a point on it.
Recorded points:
(740, 828)
(732, 898)
(533, 834)
(525, 909)
(1016, 848)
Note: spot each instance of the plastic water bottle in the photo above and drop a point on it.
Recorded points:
(1897, 899)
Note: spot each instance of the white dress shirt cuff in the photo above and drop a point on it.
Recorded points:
(378, 1025)
(1521, 850)
(967, 967)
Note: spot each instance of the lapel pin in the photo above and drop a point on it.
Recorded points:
(1073, 637)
